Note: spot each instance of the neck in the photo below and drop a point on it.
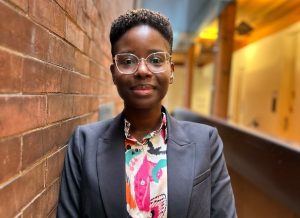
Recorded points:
(143, 120)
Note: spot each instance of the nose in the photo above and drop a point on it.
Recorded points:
(142, 70)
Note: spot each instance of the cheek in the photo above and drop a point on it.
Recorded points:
(164, 85)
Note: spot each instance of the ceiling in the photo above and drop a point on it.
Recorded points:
(266, 17)
(186, 16)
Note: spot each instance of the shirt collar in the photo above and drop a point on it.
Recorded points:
(163, 127)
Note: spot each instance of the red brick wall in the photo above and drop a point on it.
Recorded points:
(54, 74)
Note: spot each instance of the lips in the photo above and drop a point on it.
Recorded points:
(143, 89)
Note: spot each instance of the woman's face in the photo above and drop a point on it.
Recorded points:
(142, 89)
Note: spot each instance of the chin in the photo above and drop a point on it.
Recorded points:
(142, 105)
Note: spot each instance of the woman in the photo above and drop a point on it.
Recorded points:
(144, 163)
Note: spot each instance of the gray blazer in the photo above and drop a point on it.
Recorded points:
(93, 179)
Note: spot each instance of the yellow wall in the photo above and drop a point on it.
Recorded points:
(175, 94)
(202, 89)
(262, 71)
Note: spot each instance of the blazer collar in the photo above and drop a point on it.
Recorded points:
(111, 168)
(181, 159)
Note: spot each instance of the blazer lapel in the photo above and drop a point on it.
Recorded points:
(111, 169)
(180, 157)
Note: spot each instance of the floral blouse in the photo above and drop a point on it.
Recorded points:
(146, 173)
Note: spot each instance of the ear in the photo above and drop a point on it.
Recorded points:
(112, 70)
(172, 73)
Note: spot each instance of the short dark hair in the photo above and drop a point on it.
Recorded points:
(137, 17)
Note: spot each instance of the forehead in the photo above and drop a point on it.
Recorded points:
(142, 37)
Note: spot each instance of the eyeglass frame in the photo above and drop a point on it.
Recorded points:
(169, 59)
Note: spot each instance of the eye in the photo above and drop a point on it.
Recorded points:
(128, 61)
(156, 59)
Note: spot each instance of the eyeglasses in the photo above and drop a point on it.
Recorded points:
(128, 63)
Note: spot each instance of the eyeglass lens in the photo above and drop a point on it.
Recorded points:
(128, 63)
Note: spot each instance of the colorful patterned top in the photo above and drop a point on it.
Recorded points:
(146, 173)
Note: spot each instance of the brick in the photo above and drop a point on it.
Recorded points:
(85, 86)
(60, 107)
(107, 77)
(82, 19)
(52, 194)
(17, 32)
(10, 72)
(49, 14)
(21, 191)
(52, 78)
(86, 44)
(89, 7)
(44, 204)
(106, 49)
(55, 137)
(94, 15)
(74, 35)
(22, 4)
(40, 77)
(65, 81)
(82, 63)
(95, 86)
(21, 113)
(95, 70)
(105, 6)
(40, 44)
(97, 36)
(61, 53)
(72, 8)
(61, 3)
(81, 105)
(10, 156)
(40, 11)
(89, 30)
(53, 213)
(55, 165)
(95, 52)
(98, 5)
(75, 83)
(58, 22)
(91, 11)
(94, 117)
(20, 34)
(69, 126)
(33, 76)
(32, 148)
(93, 103)
(105, 61)
(37, 144)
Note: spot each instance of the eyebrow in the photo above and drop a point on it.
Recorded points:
(149, 52)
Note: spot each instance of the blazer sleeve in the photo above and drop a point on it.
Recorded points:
(69, 197)
(222, 199)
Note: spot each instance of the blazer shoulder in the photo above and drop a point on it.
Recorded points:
(95, 130)
(201, 134)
